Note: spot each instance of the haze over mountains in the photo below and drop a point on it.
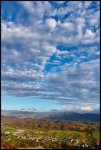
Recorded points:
(73, 116)
(64, 115)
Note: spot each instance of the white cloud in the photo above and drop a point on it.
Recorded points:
(86, 108)
(28, 5)
(68, 26)
(59, 2)
(87, 4)
(59, 56)
(51, 23)
(89, 34)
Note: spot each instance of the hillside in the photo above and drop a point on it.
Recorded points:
(87, 117)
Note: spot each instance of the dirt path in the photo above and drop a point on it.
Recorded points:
(39, 147)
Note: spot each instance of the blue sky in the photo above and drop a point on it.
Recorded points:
(50, 55)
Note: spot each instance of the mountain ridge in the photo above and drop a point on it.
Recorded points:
(64, 115)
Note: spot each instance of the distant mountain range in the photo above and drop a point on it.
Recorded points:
(25, 114)
(69, 116)
(87, 117)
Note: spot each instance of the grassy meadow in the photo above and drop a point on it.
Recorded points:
(15, 138)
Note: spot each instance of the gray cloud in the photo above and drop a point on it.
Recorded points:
(28, 48)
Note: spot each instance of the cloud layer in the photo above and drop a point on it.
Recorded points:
(50, 50)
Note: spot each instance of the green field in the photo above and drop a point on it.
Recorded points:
(17, 138)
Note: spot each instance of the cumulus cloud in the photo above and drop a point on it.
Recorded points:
(89, 34)
(86, 108)
(53, 52)
(68, 26)
(51, 23)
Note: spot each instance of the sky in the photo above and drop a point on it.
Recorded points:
(50, 55)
